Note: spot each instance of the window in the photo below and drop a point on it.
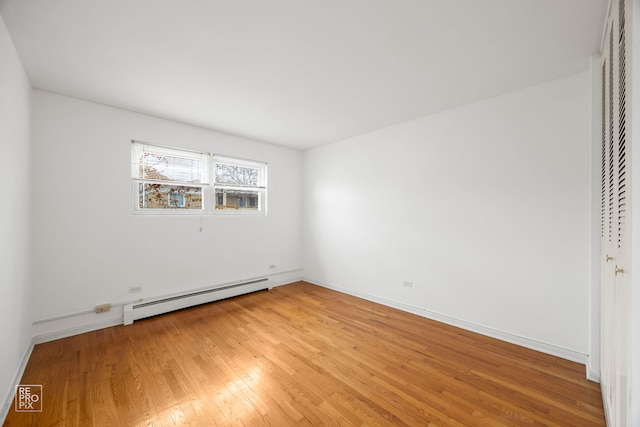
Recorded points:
(239, 184)
(175, 181)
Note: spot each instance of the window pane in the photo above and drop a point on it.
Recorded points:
(169, 167)
(233, 174)
(237, 200)
(160, 196)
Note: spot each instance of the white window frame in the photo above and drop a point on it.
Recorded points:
(206, 182)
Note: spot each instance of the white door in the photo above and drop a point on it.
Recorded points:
(615, 210)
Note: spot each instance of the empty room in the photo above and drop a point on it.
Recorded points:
(320, 212)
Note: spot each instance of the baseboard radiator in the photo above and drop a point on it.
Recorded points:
(140, 310)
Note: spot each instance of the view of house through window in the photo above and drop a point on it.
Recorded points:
(171, 180)
(159, 196)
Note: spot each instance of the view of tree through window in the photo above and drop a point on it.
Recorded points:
(234, 174)
(237, 186)
(169, 168)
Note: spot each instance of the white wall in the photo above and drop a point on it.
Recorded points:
(485, 208)
(91, 249)
(15, 283)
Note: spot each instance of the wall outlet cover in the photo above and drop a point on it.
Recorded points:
(102, 308)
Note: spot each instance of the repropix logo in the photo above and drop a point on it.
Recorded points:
(29, 398)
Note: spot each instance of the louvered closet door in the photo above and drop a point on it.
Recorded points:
(615, 210)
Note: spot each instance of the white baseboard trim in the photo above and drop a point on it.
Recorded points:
(532, 344)
(86, 321)
(17, 376)
(593, 373)
(606, 407)
(75, 324)
(285, 277)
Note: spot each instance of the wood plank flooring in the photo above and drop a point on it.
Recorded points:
(301, 355)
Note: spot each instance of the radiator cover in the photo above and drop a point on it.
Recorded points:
(154, 307)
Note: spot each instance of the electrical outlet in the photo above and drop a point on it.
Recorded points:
(407, 283)
(135, 289)
(272, 267)
(102, 308)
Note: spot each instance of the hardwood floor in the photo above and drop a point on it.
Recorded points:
(301, 355)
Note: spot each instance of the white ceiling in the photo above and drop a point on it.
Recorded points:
(299, 73)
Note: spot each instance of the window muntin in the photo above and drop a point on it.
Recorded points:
(175, 181)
